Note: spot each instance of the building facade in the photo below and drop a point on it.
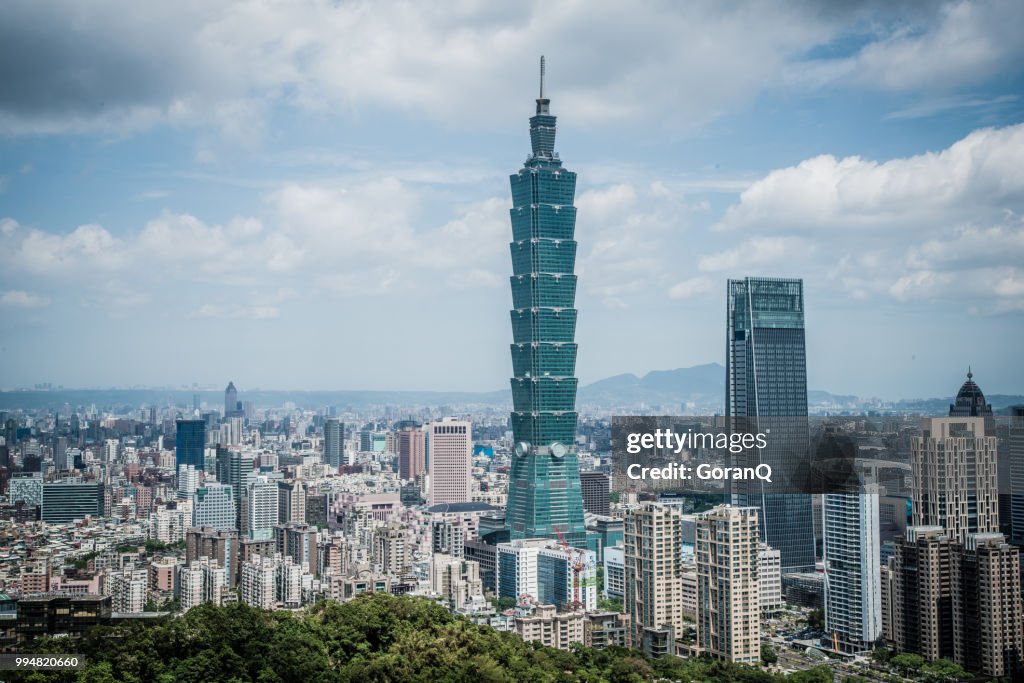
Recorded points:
(728, 590)
(544, 482)
(450, 448)
(766, 380)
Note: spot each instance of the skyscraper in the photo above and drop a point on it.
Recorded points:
(766, 377)
(450, 448)
(189, 443)
(954, 477)
(231, 407)
(544, 488)
(334, 442)
(853, 606)
(411, 453)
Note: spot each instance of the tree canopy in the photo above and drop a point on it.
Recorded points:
(376, 637)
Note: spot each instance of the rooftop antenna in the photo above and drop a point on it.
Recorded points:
(542, 77)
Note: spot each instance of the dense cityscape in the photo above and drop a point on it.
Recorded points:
(120, 515)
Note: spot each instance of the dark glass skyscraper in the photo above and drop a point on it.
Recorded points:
(544, 496)
(189, 442)
(766, 377)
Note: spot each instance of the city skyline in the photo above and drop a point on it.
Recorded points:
(155, 195)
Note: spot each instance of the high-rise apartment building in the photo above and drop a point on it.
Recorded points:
(922, 593)
(953, 464)
(128, 590)
(544, 494)
(188, 481)
(988, 621)
(391, 551)
(334, 443)
(449, 445)
(412, 449)
(261, 508)
(221, 546)
(766, 379)
(291, 501)
(190, 443)
(1015, 450)
(853, 607)
(653, 548)
(728, 591)
(200, 582)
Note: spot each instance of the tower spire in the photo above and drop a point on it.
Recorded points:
(542, 77)
(542, 102)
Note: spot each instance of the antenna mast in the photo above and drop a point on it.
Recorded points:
(542, 77)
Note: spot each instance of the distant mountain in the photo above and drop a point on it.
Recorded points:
(701, 385)
(700, 388)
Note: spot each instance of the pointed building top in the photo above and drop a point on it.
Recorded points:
(969, 373)
(542, 102)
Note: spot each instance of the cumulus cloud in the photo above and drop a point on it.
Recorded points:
(980, 173)
(942, 226)
(225, 64)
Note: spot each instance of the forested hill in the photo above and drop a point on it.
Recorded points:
(376, 637)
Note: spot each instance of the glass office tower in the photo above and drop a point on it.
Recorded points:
(766, 382)
(544, 497)
(189, 443)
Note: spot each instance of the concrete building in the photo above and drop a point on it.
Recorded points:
(728, 591)
(202, 581)
(455, 580)
(540, 571)
(128, 590)
(922, 596)
(954, 477)
(615, 572)
(412, 453)
(853, 608)
(770, 578)
(449, 446)
(261, 508)
(596, 488)
(653, 548)
(391, 551)
(213, 505)
(988, 622)
(217, 545)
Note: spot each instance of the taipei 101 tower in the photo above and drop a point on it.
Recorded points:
(544, 497)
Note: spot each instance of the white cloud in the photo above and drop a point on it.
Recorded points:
(14, 298)
(465, 63)
(695, 286)
(979, 173)
(757, 252)
(943, 227)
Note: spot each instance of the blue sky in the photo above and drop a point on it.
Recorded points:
(314, 195)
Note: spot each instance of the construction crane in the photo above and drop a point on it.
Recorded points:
(577, 563)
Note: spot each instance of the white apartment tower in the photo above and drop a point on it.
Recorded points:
(728, 590)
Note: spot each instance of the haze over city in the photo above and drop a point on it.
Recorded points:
(317, 197)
